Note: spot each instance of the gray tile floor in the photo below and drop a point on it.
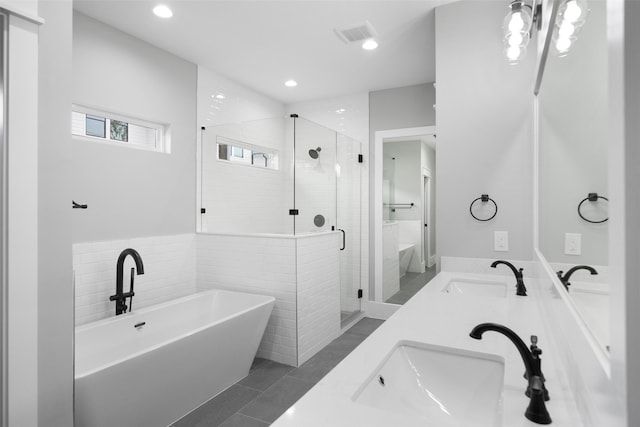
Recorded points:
(410, 284)
(271, 388)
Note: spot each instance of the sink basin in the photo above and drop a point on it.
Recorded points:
(476, 288)
(443, 385)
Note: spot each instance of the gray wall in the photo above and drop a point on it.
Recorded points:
(132, 193)
(485, 133)
(55, 283)
(398, 108)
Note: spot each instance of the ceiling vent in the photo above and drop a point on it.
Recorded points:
(361, 32)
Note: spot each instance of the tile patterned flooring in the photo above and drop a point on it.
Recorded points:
(271, 388)
(410, 284)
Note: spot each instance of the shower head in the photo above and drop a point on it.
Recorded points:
(314, 153)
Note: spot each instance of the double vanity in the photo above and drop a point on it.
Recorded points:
(422, 368)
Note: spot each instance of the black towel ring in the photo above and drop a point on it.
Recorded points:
(483, 198)
(592, 197)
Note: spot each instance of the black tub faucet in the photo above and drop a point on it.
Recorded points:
(565, 279)
(521, 289)
(537, 410)
(121, 297)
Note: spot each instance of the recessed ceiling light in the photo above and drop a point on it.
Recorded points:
(162, 11)
(369, 44)
(220, 96)
(291, 83)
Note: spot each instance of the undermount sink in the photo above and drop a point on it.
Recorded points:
(445, 386)
(476, 288)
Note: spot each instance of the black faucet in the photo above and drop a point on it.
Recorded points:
(565, 279)
(121, 297)
(521, 289)
(537, 410)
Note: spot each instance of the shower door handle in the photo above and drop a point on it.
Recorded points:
(344, 239)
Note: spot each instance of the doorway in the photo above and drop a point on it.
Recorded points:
(404, 213)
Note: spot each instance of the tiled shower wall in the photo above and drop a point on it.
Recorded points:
(169, 272)
(260, 265)
(302, 273)
(318, 277)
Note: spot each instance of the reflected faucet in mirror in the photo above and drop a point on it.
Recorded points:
(537, 410)
(564, 279)
(121, 297)
(521, 289)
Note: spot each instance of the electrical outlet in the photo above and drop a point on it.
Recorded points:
(573, 244)
(501, 241)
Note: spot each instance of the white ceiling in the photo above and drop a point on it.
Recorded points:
(262, 43)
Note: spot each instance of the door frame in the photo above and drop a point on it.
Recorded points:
(379, 138)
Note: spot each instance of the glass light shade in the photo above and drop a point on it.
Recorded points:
(518, 19)
(162, 11)
(515, 54)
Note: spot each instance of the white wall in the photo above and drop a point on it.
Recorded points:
(22, 224)
(485, 133)
(132, 193)
(55, 282)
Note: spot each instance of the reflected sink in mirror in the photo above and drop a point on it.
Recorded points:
(445, 386)
(475, 288)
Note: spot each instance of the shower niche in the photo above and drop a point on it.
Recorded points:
(286, 178)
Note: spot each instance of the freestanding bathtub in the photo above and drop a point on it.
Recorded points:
(149, 367)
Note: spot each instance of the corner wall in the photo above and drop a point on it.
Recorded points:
(485, 133)
(55, 282)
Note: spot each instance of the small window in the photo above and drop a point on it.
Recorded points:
(246, 154)
(125, 131)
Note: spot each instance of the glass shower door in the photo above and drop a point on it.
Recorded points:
(348, 213)
(314, 177)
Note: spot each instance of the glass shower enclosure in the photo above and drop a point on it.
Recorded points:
(285, 176)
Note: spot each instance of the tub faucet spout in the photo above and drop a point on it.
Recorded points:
(121, 297)
(521, 289)
(536, 411)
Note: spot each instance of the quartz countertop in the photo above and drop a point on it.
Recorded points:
(434, 317)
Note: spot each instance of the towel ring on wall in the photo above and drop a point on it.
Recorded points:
(483, 198)
(592, 197)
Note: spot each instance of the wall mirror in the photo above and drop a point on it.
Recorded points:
(405, 222)
(572, 167)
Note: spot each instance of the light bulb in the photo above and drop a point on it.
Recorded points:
(291, 83)
(516, 23)
(515, 39)
(566, 29)
(513, 53)
(573, 11)
(563, 44)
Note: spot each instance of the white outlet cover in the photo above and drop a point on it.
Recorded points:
(573, 244)
(501, 241)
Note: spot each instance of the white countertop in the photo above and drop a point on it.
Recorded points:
(434, 317)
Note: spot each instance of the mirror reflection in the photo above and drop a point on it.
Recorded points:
(408, 229)
(573, 199)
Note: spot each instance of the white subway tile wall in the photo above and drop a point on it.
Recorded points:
(318, 274)
(169, 272)
(261, 265)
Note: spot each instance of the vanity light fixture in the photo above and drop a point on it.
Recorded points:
(572, 15)
(517, 28)
(291, 83)
(162, 11)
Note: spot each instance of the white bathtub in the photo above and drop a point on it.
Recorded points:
(187, 351)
